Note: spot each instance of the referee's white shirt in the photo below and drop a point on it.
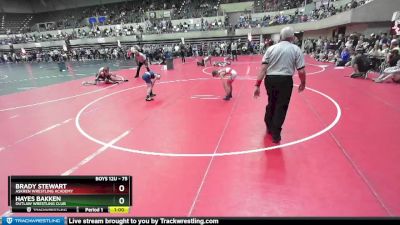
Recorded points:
(234, 47)
(283, 59)
(140, 58)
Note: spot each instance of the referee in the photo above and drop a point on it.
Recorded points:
(141, 60)
(279, 64)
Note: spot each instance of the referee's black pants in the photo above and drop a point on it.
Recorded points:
(279, 90)
(183, 57)
(140, 66)
(234, 55)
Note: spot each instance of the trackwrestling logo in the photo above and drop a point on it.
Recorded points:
(33, 220)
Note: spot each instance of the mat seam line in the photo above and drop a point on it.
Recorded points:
(352, 162)
(212, 158)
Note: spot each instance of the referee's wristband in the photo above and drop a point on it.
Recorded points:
(258, 83)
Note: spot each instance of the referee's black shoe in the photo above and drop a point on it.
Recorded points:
(276, 138)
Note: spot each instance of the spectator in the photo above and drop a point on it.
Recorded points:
(393, 71)
(360, 65)
(344, 57)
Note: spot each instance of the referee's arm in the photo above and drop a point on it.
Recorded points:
(262, 74)
(302, 76)
(260, 77)
(300, 65)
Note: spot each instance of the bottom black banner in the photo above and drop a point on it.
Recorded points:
(49, 209)
(211, 221)
(15, 220)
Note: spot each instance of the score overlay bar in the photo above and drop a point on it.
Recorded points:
(69, 193)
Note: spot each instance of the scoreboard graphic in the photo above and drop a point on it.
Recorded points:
(75, 194)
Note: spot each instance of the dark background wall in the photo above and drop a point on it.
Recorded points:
(36, 6)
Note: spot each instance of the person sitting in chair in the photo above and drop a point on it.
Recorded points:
(360, 64)
(393, 71)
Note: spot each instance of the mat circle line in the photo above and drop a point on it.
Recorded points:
(83, 132)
